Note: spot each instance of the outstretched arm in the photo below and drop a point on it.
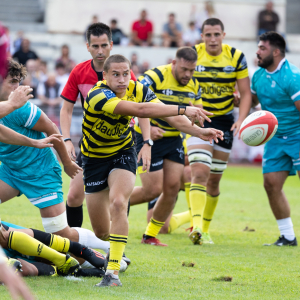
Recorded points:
(44, 124)
(8, 136)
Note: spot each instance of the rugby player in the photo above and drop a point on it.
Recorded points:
(108, 155)
(219, 68)
(173, 84)
(36, 172)
(276, 85)
(82, 78)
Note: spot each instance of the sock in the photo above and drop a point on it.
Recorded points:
(210, 206)
(54, 241)
(286, 228)
(27, 245)
(117, 247)
(197, 200)
(94, 272)
(153, 228)
(86, 265)
(74, 215)
(178, 219)
(44, 269)
(89, 239)
(187, 186)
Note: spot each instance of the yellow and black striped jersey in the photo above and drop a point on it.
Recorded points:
(104, 133)
(217, 76)
(167, 89)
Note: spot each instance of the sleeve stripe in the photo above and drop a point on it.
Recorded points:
(239, 60)
(253, 92)
(295, 95)
(34, 114)
(31, 112)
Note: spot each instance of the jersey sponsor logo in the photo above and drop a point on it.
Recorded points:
(243, 63)
(157, 163)
(273, 84)
(40, 249)
(228, 138)
(96, 182)
(122, 159)
(108, 94)
(229, 69)
(147, 81)
(199, 93)
(108, 131)
(218, 90)
(192, 95)
(150, 96)
(181, 152)
(167, 92)
(200, 68)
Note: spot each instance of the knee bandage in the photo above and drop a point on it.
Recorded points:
(200, 156)
(55, 224)
(218, 166)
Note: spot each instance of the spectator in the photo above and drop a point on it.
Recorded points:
(135, 69)
(134, 59)
(61, 74)
(267, 19)
(116, 32)
(18, 41)
(144, 67)
(172, 30)
(32, 79)
(142, 31)
(24, 53)
(65, 59)
(207, 13)
(95, 19)
(49, 94)
(42, 71)
(192, 35)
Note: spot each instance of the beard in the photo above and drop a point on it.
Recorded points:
(268, 61)
(179, 79)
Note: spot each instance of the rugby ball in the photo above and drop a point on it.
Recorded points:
(258, 128)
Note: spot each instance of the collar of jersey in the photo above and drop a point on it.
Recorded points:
(278, 67)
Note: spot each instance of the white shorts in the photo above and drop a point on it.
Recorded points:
(191, 141)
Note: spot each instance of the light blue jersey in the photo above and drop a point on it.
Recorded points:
(26, 161)
(34, 172)
(277, 91)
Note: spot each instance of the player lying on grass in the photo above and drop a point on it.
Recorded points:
(35, 246)
(36, 172)
(109, 158)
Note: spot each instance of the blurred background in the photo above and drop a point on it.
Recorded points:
(48, 36)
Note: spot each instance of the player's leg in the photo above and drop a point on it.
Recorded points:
(171, 183)
(218, 166)
(150, 189)
(7, 191)
(121, 183)
(74, 201)
(200, 159)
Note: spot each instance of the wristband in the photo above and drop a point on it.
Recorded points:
(67, 139)
(181, 109)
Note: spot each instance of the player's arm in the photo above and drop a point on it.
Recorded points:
(15, 100)
(245, 102)
(44, 124)
(254, 100)
(145, 152)
(8, 136)
(66, 113)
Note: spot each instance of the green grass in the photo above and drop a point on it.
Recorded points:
(157, 273)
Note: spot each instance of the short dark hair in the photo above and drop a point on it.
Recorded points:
(275, 39)
(187, 53)
(15, 69)
(59, 64)
(212, 22)
(116, 58)
(98, 29)
(114, 21)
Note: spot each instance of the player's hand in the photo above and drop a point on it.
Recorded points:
(20, 96)
(145, 155)
(236, 127)
(156, 133)
(72, 169)
(47, 142)
(211, 134)
(236, 100)
(196, 113)
(14, 283)
(71, 150)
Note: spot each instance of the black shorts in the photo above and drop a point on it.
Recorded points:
(223, 123)
(97, 170)
(78, 157)
(166, 148)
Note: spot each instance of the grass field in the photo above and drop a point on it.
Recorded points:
(157, 273)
